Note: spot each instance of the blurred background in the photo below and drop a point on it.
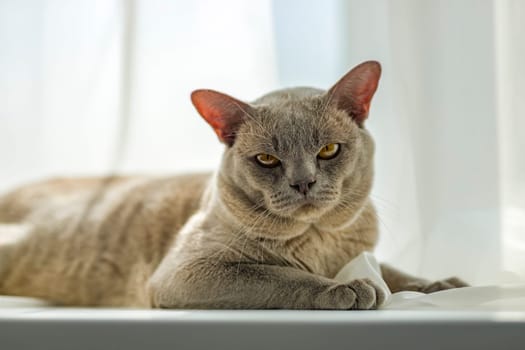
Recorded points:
(98, 86)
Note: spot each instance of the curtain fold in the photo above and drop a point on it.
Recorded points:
(510, 82)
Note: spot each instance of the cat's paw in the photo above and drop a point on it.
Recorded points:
(431, 287)
(359, 294)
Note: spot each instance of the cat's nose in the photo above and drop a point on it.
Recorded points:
(303, 186)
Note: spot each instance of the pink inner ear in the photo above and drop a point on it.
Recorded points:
(354, 92)
(222, 112)
(366, 92)
(211, 115)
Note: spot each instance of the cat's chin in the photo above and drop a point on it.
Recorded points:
(309, 212)
(304, 209)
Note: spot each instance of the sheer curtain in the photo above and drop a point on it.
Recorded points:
(82, 81)
(447, 122)
(510, 80)
(59, 87)
(78, 79)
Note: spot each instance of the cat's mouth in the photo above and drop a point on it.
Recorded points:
(308, 208)
(303, 208)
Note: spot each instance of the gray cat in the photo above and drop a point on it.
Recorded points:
(288, 207)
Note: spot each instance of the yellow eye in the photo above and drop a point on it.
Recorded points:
(329, 151)
(267, 160)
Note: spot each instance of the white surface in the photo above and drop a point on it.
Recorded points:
(508, 297)
(12, 308)
(40, 312)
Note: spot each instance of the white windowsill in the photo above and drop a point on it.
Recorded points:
(27, 326)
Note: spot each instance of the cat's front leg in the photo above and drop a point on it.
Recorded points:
(254, 286)
(399, 281)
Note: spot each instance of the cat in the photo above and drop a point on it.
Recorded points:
(288, 207)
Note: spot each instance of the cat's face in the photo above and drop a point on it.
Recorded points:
(296, 156)
(298, 153)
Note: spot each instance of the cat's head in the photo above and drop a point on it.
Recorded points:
(298, 153)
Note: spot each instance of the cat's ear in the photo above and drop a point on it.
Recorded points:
(224, 113)
(354, 91)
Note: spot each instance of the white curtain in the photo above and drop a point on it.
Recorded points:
(73, 73)
(81, 79)
(447, 121)
(59, 87)
(510, 81)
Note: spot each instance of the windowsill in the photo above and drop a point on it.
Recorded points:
(65, 328)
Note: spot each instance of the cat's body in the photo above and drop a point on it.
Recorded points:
(107, 258)
(269, 229)
(86, 250)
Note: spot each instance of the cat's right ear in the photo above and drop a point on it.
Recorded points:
(224, 113)
(353, 92)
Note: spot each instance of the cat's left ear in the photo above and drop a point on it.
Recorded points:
(224, 113)
(354, 92)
